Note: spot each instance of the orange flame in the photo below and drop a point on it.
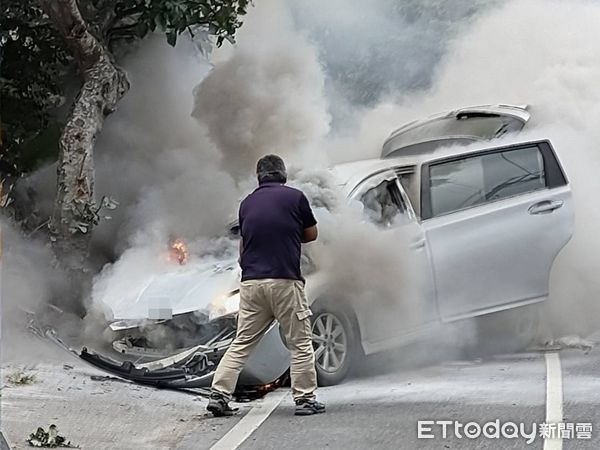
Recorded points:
(178, 252)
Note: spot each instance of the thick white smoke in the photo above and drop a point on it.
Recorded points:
(156, 160)
(370, 50)
(266, 96)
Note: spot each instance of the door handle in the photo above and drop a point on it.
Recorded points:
(545, 207)
(417, 244)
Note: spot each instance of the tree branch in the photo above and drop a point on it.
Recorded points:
(65, 15)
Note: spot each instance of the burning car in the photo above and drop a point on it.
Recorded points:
(485, 224)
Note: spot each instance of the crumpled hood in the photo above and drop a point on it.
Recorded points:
(191, 287)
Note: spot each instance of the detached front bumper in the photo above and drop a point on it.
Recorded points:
(170, 377)
(194, 367)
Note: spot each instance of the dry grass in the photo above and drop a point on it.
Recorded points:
(21, 378)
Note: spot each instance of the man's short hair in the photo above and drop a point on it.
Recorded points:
(271, 168)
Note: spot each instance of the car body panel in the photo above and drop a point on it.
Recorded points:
(380, 325)
(470, 250)
(498, 255)
(182, 289)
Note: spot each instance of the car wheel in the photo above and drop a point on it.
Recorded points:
(336, 343)
(510, 330)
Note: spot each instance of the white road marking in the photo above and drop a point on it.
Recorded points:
(251, 421)
(554, 397)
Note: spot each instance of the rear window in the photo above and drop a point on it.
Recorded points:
(480, 179)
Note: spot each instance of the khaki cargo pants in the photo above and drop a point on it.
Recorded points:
(261, 301)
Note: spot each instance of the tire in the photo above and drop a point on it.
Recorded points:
(510, 330)
(335, 340)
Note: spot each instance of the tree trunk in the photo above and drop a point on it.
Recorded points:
(104, 84)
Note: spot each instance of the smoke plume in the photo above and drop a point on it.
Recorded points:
(266, 96)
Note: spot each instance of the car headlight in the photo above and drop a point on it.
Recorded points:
(224, 305)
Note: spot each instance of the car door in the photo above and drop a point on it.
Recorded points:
(399, 295)
(494, 222)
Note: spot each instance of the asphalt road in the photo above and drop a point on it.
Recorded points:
(376, 410)
(382, 411)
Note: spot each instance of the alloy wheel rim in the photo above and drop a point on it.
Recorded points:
(330, 342)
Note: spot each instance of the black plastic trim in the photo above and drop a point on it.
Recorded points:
(128, 371)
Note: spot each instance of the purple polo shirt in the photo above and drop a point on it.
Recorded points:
(272, 222)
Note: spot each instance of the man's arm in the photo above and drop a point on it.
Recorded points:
(310, 234)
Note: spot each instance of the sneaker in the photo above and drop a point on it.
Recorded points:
(219, 406)
(308, 407)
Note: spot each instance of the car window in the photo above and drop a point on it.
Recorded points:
(383, 204)
(471, 181)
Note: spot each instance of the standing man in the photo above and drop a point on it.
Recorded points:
(274, 220)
